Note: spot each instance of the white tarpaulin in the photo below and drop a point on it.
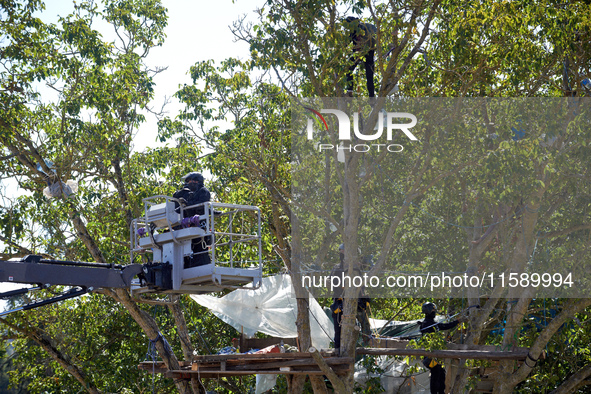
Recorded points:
(395, 377)
(270, 309)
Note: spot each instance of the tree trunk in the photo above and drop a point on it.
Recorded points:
(186, 346)
(295, 384)
(351, 214)
(149, 326)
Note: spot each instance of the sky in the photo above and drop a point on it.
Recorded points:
(197, 30)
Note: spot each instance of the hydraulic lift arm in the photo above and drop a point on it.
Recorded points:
(44, 273)
(35, 270)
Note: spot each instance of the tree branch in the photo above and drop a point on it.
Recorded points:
(554, 234)
(49, 345)
(574, 381)
(336, 381)
(536, 349)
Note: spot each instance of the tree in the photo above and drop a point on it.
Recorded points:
(510, 194)
(84, 132)
(467, 50)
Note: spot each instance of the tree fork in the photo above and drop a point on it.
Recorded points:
(150, 328)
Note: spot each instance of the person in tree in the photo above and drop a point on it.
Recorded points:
(337, 305)
(429, 325)
(193, 193)
(364, 44)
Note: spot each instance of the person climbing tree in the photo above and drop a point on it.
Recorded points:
(364, 44)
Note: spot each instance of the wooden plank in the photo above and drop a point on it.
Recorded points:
(215, 372)
(236, 365)
(153, 370)
(342, 367)
(245, 344)
(237, 356)
(215, 375)
(159, 366)
(487, 348)
(294, 363)
(462, 354)
(390, 343)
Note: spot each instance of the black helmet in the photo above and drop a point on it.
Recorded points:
(351, 19)
(429, 308)
(193, 175)
(352, 24)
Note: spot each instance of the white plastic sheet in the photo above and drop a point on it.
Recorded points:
(394, 379)
(57, 189)
(265, 383)
(271, 309)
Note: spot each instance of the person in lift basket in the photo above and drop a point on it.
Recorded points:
(192, 193)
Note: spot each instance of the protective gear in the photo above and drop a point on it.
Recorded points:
(429, 308)
(362, 34)
(363, 303)
(437, 383)
(350, 20)
(337, 305)
(194, 175)
(429, 362)
(193, 186)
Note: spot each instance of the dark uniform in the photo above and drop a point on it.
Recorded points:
(364, 44)
(193, 193)
(429, 325)
(337, 301)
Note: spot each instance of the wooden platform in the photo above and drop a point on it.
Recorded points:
(244, 344)
(215, 366)
(302, 363)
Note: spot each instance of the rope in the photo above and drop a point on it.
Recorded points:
(529, 357)
(314, 316)
(197, 330)
(165, 343)
(309, 311)
(152, 353)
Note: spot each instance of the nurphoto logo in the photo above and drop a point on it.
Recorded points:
(345, 124)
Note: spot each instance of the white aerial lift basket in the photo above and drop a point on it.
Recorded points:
(196, 249)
